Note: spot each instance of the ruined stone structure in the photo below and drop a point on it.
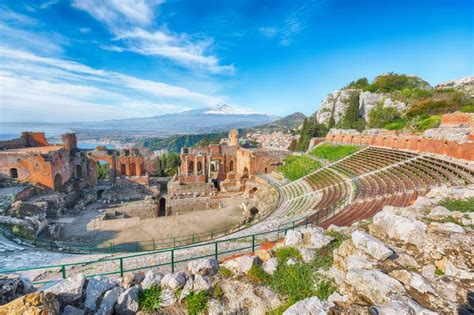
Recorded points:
(60, 167)
(64, 167)
(437, 141)
(226, 163)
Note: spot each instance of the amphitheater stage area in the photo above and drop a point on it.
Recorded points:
(89, 225)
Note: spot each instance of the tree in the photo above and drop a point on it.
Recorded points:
(102, 171)
(351, 118)
(361, 84)
(167, 164)
(293, 145)
(380, 116)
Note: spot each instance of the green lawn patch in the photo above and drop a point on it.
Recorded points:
(461, 205)
(397, 124)
(333, 152)
(295, 167)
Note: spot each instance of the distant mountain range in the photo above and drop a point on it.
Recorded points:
(209, 119)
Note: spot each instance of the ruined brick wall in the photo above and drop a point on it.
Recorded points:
(453, 149)
(26, 139)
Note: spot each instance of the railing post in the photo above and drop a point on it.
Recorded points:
(63, 271)
(136, 246)
(172, 261)
(193, 239)
(121, 267)
(253, 243)
(174, 241)
(212, 233)
(306, 222)
(216, 250)
(154, 247)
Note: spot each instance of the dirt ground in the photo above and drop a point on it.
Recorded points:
(88, 227)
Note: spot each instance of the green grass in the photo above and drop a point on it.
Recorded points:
(332, 152)
(428, 123)
(467, 109)
(295, 167)
(196, 303)
(257, 275)
(461, 205)
(324, 289)
(282, 254)
(149, 299)
(294, 281)
(439, 272)
(225, 273)
(397, 124)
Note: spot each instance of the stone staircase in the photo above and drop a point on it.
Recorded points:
(8, 246)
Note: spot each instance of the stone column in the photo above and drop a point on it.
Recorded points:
(186, 161)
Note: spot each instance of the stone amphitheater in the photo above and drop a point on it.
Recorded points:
(339, 194)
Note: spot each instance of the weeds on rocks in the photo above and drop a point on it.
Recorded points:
(461, 205)
(257, 275)
(196, 302)
(149, 299)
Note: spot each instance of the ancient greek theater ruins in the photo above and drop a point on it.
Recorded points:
(59, 219)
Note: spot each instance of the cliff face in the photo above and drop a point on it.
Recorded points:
(465, 85)
(337, 102)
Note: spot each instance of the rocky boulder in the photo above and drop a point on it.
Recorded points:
(152, 277)
(174, 281)
(309, 306)
(96, 287)
(12, 287)
(371, 245)
(203, 267)
(68, 290)
(109, 301)
(34, 303)
(127, 302)
(242, 264)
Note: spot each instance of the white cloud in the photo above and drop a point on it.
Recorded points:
(52, 89)
(84, 30)
(132, 24)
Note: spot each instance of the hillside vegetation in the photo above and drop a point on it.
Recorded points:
(406, 103)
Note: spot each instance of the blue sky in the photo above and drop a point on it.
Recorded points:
(101, 59)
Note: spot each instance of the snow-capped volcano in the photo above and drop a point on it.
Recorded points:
(225, 109)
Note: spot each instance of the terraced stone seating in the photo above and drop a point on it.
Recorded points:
(8, 246)
(360, 185)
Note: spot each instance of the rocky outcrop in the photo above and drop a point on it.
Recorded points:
(465, 85)
(40, 303)
(12, 287)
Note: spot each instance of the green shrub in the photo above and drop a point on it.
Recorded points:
(423, 124)
(282, 254)
(338, 238)
(393, 82)
(332, 152)
(361, 83)
(217, 292)
(467, 109)
(294, 281)
(461, 205)
(439, 272)
(295, 167)
(380, 116)
(441, 102)
(149, 299)
(397, 124)
(257, 275)
(225, 273)
(196, 302)
(324, 289)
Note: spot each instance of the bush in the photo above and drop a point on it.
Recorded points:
(282, 254)
(380, 116)
(427, 123)
(295, 281)
(393, 82)
(196, 302)
(461, 205)
(257, 275)
(467, 109)
(225, 273)
(324, 289)
(149, 299)
(397, 124)
(332, 152)
(295, 167)
(361, 84)
(441, 102)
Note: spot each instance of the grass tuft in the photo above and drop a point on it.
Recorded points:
(461, 205)
(257, 275)
(149, 299)
(282, 254)
(196, 302)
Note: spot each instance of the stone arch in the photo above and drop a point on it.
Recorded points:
(162, 209)
(78, 171)
(245, 173)
(190, 167)
(231, 166)
(58, 182)
(14, 173)
(133, 169)
(199, 167)
(266, 170)
(123, 169)
(99, 193)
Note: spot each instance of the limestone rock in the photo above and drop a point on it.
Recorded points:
(152, 277)
(293, 238)
(371, 245)
(12, 287)
(336, 298)
(131, 279)
(408, 230)
(263, 254)
(438, 211)
(204, 267)
(270, 266)
(109, 301)
(174, 281)
(187, 289)
(374, 285)
(201, 283)
(309, 306)
(307, 254)
(68, 290)
(358, 262)
(34, 303)
(242, 264)
(167, 297)
(315, 238)
(71, 310)
(127, 303)
(447, 227)
(95, 288)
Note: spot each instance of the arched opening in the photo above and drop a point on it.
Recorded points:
(190, 167)
(162, 210)
(78, 171)
(213, 166)
(231, 166)
(123, 169)
(58, 182)
(266, 170)
(133, 169)
(14, 173)
(199, 167)
(99, 193)
(245, 173)
(252, 191)
(102, 171)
